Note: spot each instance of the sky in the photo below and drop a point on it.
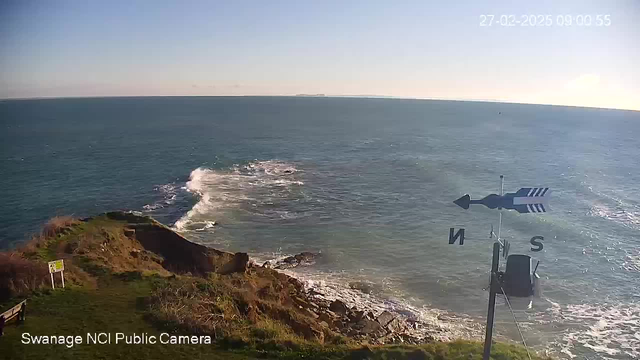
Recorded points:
(409, 49)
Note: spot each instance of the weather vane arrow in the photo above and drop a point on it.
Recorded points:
(525, 200)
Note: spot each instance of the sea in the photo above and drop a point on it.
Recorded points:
(369, 184)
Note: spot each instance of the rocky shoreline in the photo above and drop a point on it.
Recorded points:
(360, 324)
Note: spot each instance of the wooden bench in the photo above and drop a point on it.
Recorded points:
(18, 311)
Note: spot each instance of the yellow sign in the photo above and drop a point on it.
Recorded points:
(56, 266)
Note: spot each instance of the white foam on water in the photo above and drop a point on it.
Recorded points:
(221, 190)
(626, 217)
(618, 210)
(632, 261)
(612, 331)
(207, 225)
(169, 193)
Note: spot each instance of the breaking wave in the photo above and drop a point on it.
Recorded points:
(169, 194)
(260, 183)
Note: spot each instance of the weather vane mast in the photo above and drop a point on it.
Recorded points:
(525, 200)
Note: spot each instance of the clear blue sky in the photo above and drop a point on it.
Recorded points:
(415, 49)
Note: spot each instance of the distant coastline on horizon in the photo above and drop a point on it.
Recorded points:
(315, 96)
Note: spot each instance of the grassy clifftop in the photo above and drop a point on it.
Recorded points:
(127, 273)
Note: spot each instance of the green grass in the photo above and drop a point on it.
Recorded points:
(114, 307)
(98, 226)
(119, 305)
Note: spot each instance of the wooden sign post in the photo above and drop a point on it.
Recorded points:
(54, 267)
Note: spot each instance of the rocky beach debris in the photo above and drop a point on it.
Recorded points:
(364, 327)
(358, 324)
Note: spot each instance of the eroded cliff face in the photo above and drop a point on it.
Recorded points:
(177, 254)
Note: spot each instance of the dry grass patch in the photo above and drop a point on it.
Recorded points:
(20, 276)
(218, 307)
(58, 225)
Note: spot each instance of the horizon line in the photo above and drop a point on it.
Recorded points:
(302, 95)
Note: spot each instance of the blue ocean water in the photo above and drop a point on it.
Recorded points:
(370, 184)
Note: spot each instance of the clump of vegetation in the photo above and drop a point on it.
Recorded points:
(38, 245)
(58, 225)
(230, 309)
(19, 276)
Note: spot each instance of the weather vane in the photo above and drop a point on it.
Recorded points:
(517, 278)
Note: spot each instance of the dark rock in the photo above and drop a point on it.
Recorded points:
(356, 316)
(267, 264)
(370, 316)
(330, 320)
(338, 307)
(237, 264)
(290, 260)
(385, 318)
(307, 330)
(295, 283)
(396, 326)
(367, 326)
(296, 260)
(129, 232)
(305, 256)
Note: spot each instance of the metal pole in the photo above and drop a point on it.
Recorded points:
(52, 284)
(62, 274)
(500, 218)
(492, 300)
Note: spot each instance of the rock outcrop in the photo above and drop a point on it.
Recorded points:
(296, 260)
